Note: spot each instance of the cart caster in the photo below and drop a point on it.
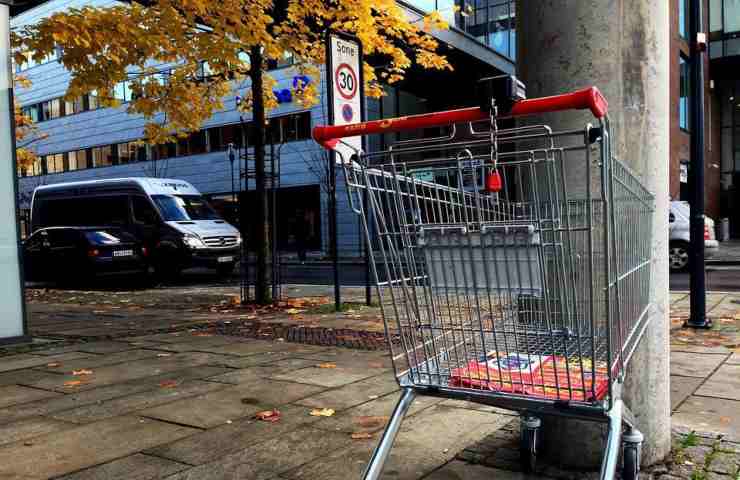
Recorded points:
(529, 439)
(631, 452)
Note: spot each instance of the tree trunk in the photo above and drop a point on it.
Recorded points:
(263, 274)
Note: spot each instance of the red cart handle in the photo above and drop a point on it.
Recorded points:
(587, 98)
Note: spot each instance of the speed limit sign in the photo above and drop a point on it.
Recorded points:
(344, 79)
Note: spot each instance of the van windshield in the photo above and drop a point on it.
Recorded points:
(178, 208)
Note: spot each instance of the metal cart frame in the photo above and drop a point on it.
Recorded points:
(489, 253)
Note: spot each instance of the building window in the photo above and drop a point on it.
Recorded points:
(684, 94)
(55, 163)
(75, 106)
(103, 156)
(683, 18)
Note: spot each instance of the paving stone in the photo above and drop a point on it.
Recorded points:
(682, 347)
(27, 377)
(253, 347)
(426, 441)
(18, 362)
(137, 401)
(77, 448)
(31, 427)
(457, 470)
(734, 359)
(231, 403)
(682, 388)
(326, 377)
(133, 467)
(217, 442)
(250, 374)
(355, 419)
(697, 454)
(352, 394)
(15, 394)
(105, 347)
(725, 383)
(709, 414)
(345, 357)
(96, 395)
(98, 361)
(119, 373)
(694, 364)
(726, 463)
(268, 459)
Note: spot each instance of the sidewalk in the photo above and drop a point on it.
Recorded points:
(181, 405)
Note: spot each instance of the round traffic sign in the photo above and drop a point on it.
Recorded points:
(345, 80)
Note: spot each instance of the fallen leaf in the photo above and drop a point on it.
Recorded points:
(725, 420)
(293, 311)
(322, 412)
(72, 383)
(271, 416)
(327, 365)
(53, 364)
(83, 371)
(202, 334)
(375, 365)
(371, 421)
(168, 383)
(361, 436)
(164, 354)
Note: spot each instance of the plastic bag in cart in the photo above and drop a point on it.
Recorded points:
(546, 376)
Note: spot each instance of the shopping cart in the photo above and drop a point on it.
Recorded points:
(512, 263)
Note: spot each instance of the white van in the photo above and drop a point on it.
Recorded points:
(174, 222)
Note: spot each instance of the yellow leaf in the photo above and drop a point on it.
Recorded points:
(83, 371)
(322, 412)
(326, 365)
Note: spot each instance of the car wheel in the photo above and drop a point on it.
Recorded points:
(678, 256)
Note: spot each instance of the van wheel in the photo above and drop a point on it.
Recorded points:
(678, 256)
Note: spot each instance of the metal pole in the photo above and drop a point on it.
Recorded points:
(333, 248)
(368, 291)
(697, 282)
(333, 228)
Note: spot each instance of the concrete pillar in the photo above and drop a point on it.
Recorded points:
(621, 46)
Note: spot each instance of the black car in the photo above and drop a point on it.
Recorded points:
(76, 253)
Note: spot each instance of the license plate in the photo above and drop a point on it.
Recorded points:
(123, 253)
(225, 259)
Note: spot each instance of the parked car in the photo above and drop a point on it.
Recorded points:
(81, 253)
(678, 247)
(170, 217)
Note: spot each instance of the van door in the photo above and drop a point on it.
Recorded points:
(146, 221)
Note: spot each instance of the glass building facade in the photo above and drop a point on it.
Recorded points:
(491, 22)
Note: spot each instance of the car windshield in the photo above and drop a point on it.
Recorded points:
(103, 237)
(178, 208)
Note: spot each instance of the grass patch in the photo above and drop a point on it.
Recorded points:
(690, 440)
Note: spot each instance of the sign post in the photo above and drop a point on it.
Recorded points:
(345, 94)
(12, 307)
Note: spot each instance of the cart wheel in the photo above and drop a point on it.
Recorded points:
(528, 443)
(631, 459)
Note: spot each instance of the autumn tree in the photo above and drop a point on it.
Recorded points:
(208, 47)
(26, 131)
